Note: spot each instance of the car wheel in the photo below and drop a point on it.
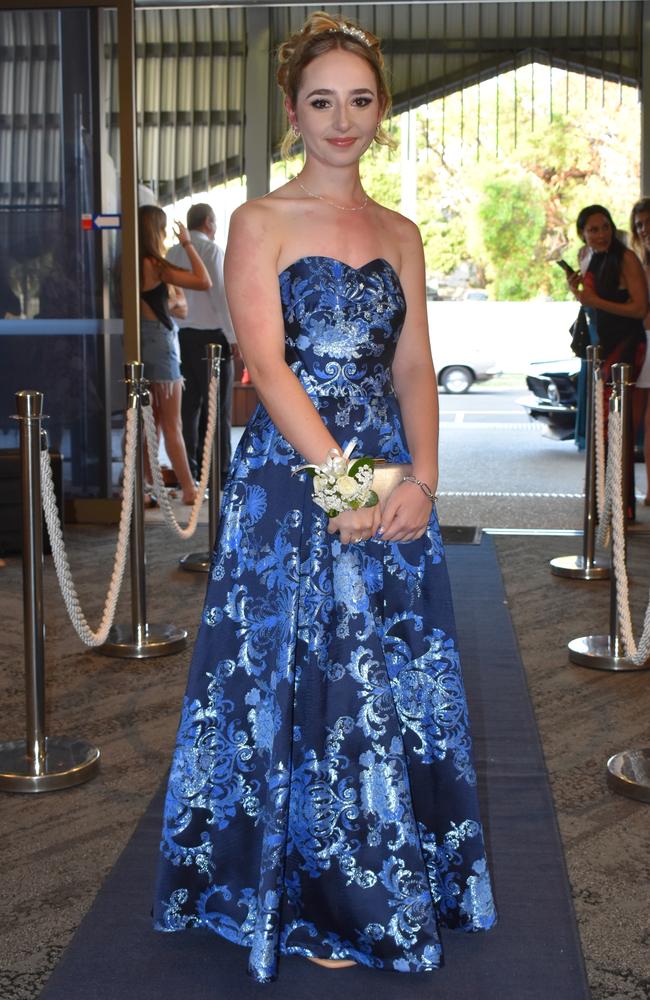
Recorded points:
(456, 379)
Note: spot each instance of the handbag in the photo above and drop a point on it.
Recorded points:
(387, 476)
(579, 331)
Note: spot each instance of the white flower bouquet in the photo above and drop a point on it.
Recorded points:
(342, 483)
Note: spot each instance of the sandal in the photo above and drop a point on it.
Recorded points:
(332, 963)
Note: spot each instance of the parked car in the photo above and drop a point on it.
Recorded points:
(457, 378)
(462, 354)
(554, 384)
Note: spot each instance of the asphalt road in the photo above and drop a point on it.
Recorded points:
(498, 470)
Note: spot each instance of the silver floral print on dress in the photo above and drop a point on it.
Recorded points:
(323, 754)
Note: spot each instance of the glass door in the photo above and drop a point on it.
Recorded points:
(60, 326)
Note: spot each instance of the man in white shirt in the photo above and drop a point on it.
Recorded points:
(207, 322)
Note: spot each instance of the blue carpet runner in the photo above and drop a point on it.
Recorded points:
(534, 952)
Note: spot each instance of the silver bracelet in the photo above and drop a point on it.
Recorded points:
(429, 494)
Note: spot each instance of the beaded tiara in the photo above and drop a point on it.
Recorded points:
(348, 29)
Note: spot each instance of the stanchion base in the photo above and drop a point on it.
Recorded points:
(628, 773)
(196, 562)
(159, 640)
(576, 568)
(596, 651)
(67, 762)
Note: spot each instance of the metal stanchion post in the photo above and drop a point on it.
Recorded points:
(586, 566)
(628, 773)
(605, 652)
(38, 763)
(199, 562)
(141, 639)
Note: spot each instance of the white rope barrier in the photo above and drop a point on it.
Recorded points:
(61, 564)
(601, 491)
(156, 472)
(615, 513)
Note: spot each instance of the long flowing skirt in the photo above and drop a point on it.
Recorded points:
(322, 797)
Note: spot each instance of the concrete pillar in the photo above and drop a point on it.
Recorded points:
(645, 100)
(257, 106)
(408, 151)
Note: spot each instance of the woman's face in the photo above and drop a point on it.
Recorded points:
(337, 107)
(597, 232)
(642, 228)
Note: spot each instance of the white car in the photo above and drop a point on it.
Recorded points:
(462, 353)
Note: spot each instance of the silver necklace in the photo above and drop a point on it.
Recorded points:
(342, 208)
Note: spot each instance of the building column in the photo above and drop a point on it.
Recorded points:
(257, 104)
(645, 101)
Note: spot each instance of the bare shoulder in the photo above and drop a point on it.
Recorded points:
(403, 234)
(151, 272)
(253, 216)
(631, 262)
(261, 223)
(630, 255)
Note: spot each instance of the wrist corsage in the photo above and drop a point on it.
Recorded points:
(342, 483)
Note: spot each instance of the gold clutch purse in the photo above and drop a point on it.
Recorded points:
(388, 475)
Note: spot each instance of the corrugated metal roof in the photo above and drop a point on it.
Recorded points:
(190, 97)
(191, 76)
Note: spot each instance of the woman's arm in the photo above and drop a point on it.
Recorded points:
(407, 510)
(253, 294)
(177, 302)
(632, 278)
(198, 278)
(413, 374)
(646, 274)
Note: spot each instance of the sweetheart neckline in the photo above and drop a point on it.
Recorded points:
(336, 260)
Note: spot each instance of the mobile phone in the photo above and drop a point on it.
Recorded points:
(565, 267)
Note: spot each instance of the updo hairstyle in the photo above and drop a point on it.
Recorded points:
(323, 33)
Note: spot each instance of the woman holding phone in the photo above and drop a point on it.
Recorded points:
(614, 292)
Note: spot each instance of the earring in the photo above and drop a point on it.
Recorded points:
(378, 129)
(295, 132)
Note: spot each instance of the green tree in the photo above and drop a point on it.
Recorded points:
(511, 217)
(579, 150)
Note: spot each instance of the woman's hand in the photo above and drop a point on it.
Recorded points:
(406, 514)
(177, 302)
(356, 525)
(582, 287)
(181, 233)
(574, 281)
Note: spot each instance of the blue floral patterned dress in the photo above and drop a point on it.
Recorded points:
(322, 796)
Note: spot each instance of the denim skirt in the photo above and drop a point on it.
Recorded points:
(160, 352)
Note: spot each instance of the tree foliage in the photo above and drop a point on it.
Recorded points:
(511, 217)
(503, 170)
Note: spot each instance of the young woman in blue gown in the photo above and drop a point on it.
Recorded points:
(322, 796)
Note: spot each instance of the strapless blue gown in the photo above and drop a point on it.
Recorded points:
(322, 796)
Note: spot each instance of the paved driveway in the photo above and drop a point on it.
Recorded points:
(499, 471)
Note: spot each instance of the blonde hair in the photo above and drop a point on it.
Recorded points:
(643, 205)
(323, 33)
(152, 223)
